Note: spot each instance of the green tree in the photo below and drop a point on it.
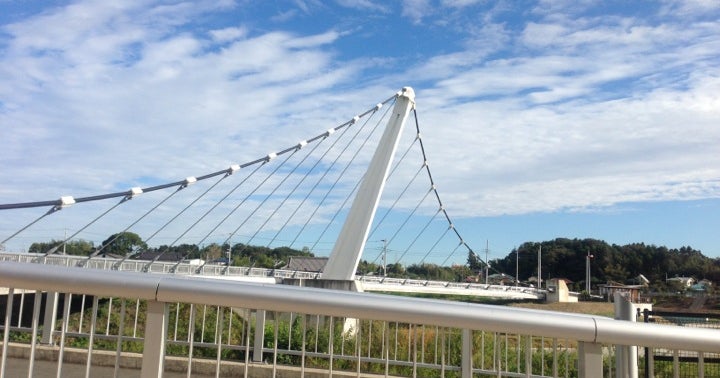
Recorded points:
(72, 247)
(122, 244)
(474, 262)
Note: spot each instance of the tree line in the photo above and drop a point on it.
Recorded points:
(131, 245)
(561, 258)
(566, 258)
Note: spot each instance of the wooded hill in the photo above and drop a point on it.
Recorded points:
(565, 258)
(561, 258)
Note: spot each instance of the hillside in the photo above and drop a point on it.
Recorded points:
(567, 258)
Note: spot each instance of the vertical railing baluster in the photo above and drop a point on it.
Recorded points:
(369, 346)
(466, 365)
(555, 358)
(437, 339)
(507, 366)
(528, 356)
(275, 343)
(6, 329)
(191, 340)
(409, 330)
(137, 313)
(20, 311)
(482, 350)
(422, 345)
(317, 331)
(304, 342)
(230, 319)
(218, 338)
(259, 342)
(202, 329)
(397, 326)
(121, 331)
(107, 323)
(358, 344)
(517, 353)
(177, 318)
(63, 333)
(413, 332)
(386, 349)
(331, 344)
(91, 338)
(290, 331)
(33, 337)
(442, 355)
(82, 313)
(542, 355)
(247, 345)
(51, 302)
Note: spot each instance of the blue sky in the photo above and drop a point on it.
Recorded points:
(542, 119)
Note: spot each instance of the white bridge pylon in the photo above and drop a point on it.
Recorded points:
(345, 256)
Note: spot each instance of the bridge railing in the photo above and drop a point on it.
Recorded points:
(238, 329)
(184, 268)
(214, 270)
(429, 283)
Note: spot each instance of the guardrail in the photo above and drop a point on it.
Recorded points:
(304, 329)
(370, 283)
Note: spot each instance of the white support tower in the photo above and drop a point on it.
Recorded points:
(345, 256)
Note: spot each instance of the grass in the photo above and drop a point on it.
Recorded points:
(589, 308)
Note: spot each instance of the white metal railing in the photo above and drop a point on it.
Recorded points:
(370, 283)
(226, 325)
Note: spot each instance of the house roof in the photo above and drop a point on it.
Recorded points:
(166, 256)
(307, 264)
(621, 286)
(561, 279)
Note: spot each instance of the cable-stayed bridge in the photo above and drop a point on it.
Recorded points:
(362, 190)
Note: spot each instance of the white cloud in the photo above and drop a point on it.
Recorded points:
(416, 10)
(562, 113)
(363, 5)
(684, 8)
(228, 34)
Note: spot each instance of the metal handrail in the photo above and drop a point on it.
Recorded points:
(170, 289)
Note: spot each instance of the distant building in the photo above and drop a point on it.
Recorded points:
(702, 287)
(685, 282)
(306, 264)
(557, 291)
(609, 289)
(169, 256)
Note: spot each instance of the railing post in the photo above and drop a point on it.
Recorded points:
(590, 360)
(625, 355)
(259, 336)
(155, 333)
(51, 301)
(467, 365)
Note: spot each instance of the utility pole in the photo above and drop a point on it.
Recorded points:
(587, 272)
(539, 277)
(384, 260)
(517, 265)
(487, 264)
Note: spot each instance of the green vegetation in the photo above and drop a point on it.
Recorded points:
(565, 258)
(318, 336)
(562, 258)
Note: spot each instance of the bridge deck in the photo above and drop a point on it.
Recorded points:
(238, 273)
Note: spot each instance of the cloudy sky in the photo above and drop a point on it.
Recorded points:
(541, 119)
